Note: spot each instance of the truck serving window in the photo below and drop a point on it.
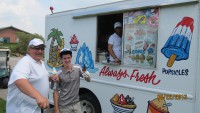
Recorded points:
(140, 38)
(105, 28)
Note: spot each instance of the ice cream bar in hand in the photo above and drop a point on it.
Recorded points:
(54, 70)
(86, 74)
(178, 45)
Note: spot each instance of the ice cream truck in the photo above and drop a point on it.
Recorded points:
(159, 70)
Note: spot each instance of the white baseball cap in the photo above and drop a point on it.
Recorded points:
(36, 42)
(117, 24)
(65, 51)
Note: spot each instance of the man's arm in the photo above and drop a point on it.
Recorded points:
(111, 52)
(55, 99)
(26, 88)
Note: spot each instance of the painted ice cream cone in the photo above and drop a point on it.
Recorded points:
(157, 106)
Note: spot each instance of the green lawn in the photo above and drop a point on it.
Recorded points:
(2, 106)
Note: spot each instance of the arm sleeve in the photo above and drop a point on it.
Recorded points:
(59, 82)
(21, 71)
(79, 69)
(111, 40)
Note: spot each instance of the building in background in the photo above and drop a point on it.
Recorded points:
(8, 34)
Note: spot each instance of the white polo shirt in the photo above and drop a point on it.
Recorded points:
(37, 75)
(116, 41)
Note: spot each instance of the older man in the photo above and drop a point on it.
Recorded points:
(29, 82)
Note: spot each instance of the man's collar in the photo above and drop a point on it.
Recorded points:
(40, 62)
(64, 70)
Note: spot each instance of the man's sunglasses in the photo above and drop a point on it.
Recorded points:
(37, 48)
(118, 28)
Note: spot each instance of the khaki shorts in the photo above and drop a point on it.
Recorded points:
(74, 108)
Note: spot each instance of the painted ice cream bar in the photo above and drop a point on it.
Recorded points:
(178, 45)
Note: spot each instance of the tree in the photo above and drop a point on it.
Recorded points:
(54, 59)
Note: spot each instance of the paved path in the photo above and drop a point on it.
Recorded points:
(3, 93)
(12, 62)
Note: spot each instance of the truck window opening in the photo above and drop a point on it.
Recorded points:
(104, 30)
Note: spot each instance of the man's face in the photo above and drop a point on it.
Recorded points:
(118, 30)
(66, 59)
(36, 52)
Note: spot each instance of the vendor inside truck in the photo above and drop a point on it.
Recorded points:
(115, 44)
(105, 30)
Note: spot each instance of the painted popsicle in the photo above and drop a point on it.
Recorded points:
(178, 45)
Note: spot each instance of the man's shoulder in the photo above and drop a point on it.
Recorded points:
(24, 59)
(113, 35)
(59, 72)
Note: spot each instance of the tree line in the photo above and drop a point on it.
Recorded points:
(24, 38)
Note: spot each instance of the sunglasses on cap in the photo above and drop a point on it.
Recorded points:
(38, 47)
(118, 28)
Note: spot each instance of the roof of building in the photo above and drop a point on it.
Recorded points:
(3, 28)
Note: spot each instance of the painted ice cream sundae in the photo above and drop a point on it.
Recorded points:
(74, 43)
(122, 104)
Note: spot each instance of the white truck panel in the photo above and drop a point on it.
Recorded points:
(105, 80)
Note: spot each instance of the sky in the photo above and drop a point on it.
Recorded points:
(29, 15)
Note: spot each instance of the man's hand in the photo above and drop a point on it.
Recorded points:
(87, 76)
(54, 77)
(56, 111)
(26, 88)
(42, 102)
(117, 60)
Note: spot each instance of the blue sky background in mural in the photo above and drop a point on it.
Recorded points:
(84, 57)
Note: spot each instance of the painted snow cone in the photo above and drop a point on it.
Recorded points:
(74, 43)
(178, 45)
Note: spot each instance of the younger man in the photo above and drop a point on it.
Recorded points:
(67, 100)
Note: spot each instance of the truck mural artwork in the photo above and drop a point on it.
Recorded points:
(146, 78)
(158, 105)
(84, 58)
(177, 46)
(54, 59)
(154, 33)
(74, 43)
(122, 104)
